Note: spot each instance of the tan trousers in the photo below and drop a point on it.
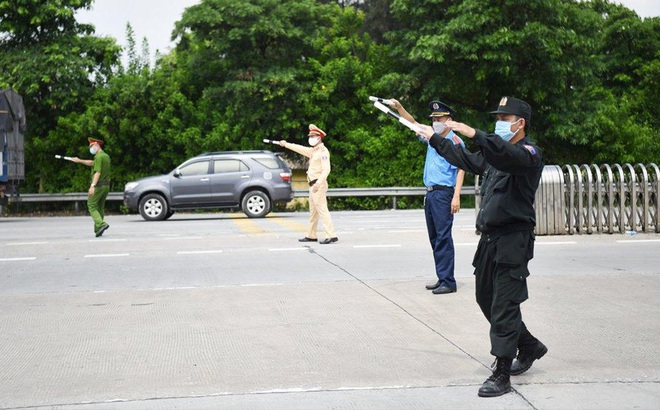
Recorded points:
(318, 209)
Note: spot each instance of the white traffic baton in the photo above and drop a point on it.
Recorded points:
(399, 118)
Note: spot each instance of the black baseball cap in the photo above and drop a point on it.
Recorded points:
(515, 106)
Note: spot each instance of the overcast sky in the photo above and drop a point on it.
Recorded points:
(154, 19)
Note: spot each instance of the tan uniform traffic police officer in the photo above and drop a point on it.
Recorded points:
(317, 176)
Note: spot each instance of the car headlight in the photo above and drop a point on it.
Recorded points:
(130, 186)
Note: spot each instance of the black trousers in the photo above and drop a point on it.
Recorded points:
(501, 286)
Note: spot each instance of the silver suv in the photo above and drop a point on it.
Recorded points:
(251, 180)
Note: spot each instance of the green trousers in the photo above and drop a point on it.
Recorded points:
(96, 205)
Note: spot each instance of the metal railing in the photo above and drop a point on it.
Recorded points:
(612, 199)
(393, 192)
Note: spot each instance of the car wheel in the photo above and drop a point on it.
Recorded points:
(153, 207)
(169, 214)
(255, 204)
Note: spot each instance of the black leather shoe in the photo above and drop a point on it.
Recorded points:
(526, 357)
(499, 382)
(495, 386)
(433, 286)
(443, 289)
(306, 239)
(102, 229)
(329, 240)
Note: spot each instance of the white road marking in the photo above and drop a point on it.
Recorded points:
(246, 285)
(377, 246)
(17, 259)
(639, 241)
(537, 243)
(197, 252)
(106, 255)
(174, 288)
(26, 243)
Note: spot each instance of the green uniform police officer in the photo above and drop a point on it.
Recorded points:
(100, 183)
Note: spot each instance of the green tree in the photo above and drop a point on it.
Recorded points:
(368, 148)
(271, 68)
(147, 123)
(629, 116)
(583, 66)
(248, 66)
(56, 64)
(243, 71)
(472, 52)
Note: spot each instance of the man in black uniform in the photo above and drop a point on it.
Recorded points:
(511, 166)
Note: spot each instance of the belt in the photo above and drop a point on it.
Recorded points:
(496, 232)
(438, 188)
(311, 183)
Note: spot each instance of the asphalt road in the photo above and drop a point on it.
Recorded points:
(221, 311)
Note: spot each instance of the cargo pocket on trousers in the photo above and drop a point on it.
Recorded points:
(479, 255)
(519, 276)
(512, 249)
(512, 256)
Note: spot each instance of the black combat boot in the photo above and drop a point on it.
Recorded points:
(498, 383)
(526, 356)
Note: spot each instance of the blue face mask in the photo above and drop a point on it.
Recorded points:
(92, 151)
(503, 129)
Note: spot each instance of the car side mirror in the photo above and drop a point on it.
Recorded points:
(177, 174)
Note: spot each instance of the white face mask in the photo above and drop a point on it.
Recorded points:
(439, 127)
(312, 141)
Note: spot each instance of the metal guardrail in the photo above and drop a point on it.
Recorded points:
(393, 192)
(69, 197)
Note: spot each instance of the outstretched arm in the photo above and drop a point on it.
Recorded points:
(516, 158)
(402, 111)
(457, 155)
(306, 151)
(87, 162)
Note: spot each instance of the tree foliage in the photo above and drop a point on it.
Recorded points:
(56, 64)
(254, 69)
(250, 66)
